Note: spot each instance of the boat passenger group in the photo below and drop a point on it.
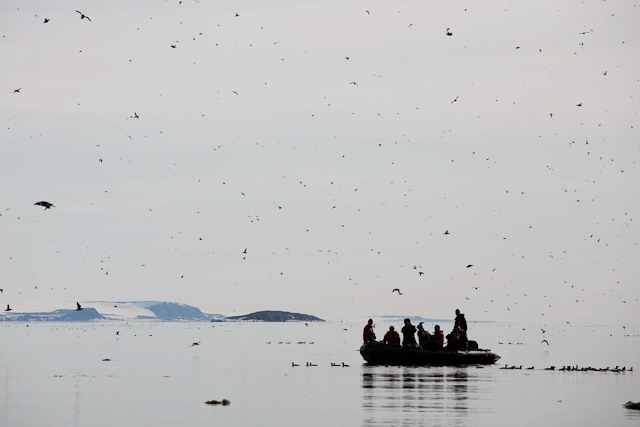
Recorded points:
(456, 340)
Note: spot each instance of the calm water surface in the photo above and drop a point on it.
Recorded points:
(52, 374)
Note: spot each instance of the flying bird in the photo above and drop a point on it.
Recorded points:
(447, 232)
(195, 343)
(46, 20)
(8, 308)
(354, 83)
(449, 33)
(17, 90)
(135, 116)
(544, 341)
(579, 105)
(396, 290)
(174, 46)
(454, 100)
(470, 265)
(46, 205)
(82, 16)
(79, 307)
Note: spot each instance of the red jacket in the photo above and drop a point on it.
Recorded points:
(438, 339)
(368, 334)
(392, 338)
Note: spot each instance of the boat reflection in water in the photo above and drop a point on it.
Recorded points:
(421, 395)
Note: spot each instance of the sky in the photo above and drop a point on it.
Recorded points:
(311, 157)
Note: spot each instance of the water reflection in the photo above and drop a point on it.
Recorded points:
(420, 395)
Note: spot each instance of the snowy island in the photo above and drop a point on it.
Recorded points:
(148, 310)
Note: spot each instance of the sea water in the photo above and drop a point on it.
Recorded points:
(54, 374)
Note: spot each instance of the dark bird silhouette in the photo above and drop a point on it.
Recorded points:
(449, 33)
(8, 308)
(354, 83)
(117, 332)
(233, 91)
(396, 290)
(579, 105)
(135, 116)
(195, 343)
(17, 90)
(447, 232)
(420, 273)
(46, 20)
(174, 46)
(79, 307)
(544, 341)
(604, 74)
(455, 100)
(46, 205)
(1, 291)
(237, 15)
(470, 265)
(83, 16)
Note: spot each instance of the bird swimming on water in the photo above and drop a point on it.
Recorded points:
(8, 308)
(79, 307)
(46, 205)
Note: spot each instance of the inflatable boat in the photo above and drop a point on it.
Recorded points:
(378, 353)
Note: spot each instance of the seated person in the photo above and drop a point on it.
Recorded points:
(423, 336)
(452, 341)
(408, 334)
(368, 335)
(438, 339)
(462, 338)
(392, 337)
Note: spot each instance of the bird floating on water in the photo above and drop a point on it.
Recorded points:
(79, 307)
(8, 308)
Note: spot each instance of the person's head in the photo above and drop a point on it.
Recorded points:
(370, 322)
(407, 321)
(457, 311)
(437, 328)
(391, 328)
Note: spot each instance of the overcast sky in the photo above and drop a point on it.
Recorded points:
(336, 143)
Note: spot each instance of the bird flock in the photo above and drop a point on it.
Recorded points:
(269, 159)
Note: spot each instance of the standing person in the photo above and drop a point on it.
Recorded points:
(368, 335)
(460, 322)
(408, 334)
(438, 338)
(392, 337)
